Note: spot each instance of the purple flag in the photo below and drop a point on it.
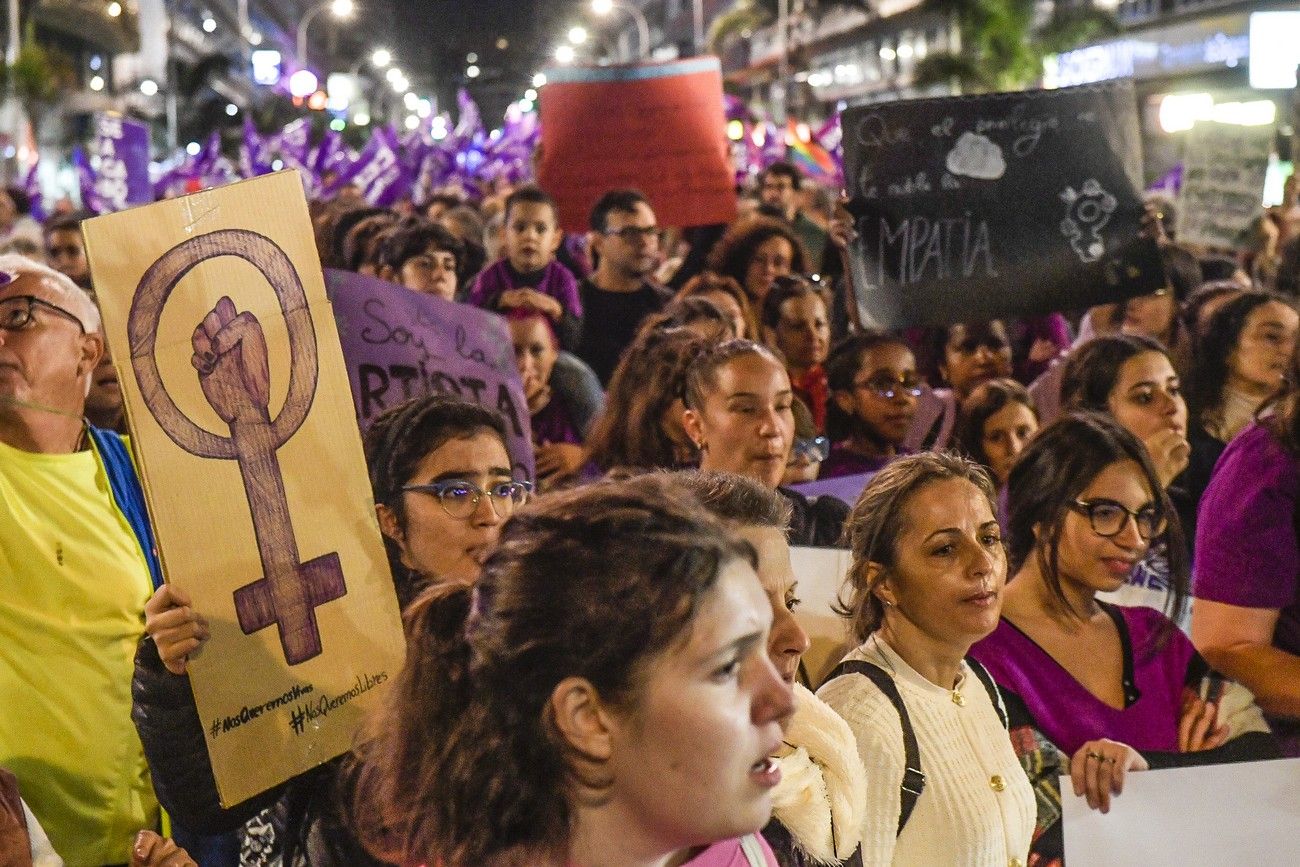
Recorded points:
(120, 150)
(32, 186)
(470, 125)
(86, 182)
(399, 344)
(294, 142)
(254, 154)
(379, 171)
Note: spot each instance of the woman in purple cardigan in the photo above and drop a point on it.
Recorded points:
(1091, 687)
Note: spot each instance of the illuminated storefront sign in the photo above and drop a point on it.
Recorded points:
(1219, 42)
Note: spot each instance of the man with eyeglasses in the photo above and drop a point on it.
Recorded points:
(624, 238)
(77, 566)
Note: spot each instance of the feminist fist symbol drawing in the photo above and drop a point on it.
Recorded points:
(1088, 210)
(230, 356)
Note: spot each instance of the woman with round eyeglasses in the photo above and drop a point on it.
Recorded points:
(874, 388)
(1095, 690)
(442, 483)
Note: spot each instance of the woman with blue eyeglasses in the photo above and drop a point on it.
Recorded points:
(873, 387)
(442, 483)
(1095, 690)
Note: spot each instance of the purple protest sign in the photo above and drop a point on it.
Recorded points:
(399, 344)
(120, 154)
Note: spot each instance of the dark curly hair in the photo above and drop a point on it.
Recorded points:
(414, 237)
(736, 248)
(466, 763)
(649, 377)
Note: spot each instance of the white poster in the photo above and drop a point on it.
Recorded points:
(1214, 816)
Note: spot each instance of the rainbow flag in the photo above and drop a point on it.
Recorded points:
(810, 156)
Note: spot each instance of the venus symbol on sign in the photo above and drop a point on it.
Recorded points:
(230, 356)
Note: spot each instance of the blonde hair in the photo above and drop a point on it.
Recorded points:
(873, 527)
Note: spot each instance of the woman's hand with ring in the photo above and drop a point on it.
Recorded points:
(1098, 770)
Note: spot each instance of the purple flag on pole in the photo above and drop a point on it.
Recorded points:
(32, 187)
(379, 171)
(254, 154)
(294, 142)
(90, 200)
(399, 344)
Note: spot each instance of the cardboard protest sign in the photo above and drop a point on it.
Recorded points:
(400, 344)
(659, 128)
(1223, 182)
(1006, 204)
(120, 160)
(251, 460)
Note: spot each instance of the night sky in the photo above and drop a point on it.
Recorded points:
(433, 37)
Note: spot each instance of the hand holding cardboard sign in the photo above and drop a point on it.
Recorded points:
(177, 630)
(230, 356)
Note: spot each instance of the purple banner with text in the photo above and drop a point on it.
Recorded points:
(400, 344)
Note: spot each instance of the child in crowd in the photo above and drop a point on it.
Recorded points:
(557, 438)
(528, 276)
(874, 387)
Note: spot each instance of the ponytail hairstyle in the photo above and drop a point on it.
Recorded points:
(702, 375)
(465, 762)
(395, 444)
(877, 520)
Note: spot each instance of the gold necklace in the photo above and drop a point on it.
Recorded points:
(954, 693)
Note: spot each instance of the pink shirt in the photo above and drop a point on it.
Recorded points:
(730, 853)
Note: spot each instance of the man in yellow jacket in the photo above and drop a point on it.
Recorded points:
(75, 573)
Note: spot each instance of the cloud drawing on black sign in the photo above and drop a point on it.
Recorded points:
(976, 156)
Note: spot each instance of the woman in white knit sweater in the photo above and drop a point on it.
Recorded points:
(926, 583)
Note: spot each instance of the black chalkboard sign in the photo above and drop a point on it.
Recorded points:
(1002, 204)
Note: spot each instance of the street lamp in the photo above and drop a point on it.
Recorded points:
(380, 58)
(564, 54)
(577, 35)
(605, 7)
(340, 9)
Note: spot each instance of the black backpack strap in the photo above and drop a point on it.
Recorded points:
(913, 777)
(994, 693)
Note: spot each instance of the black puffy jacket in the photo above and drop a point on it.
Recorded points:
(305, 811)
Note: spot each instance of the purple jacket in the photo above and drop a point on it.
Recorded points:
(557, 282)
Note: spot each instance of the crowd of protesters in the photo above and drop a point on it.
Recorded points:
(1073, 541)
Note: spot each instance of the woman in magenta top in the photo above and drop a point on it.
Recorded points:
(1247, 615)
(1090, 686)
